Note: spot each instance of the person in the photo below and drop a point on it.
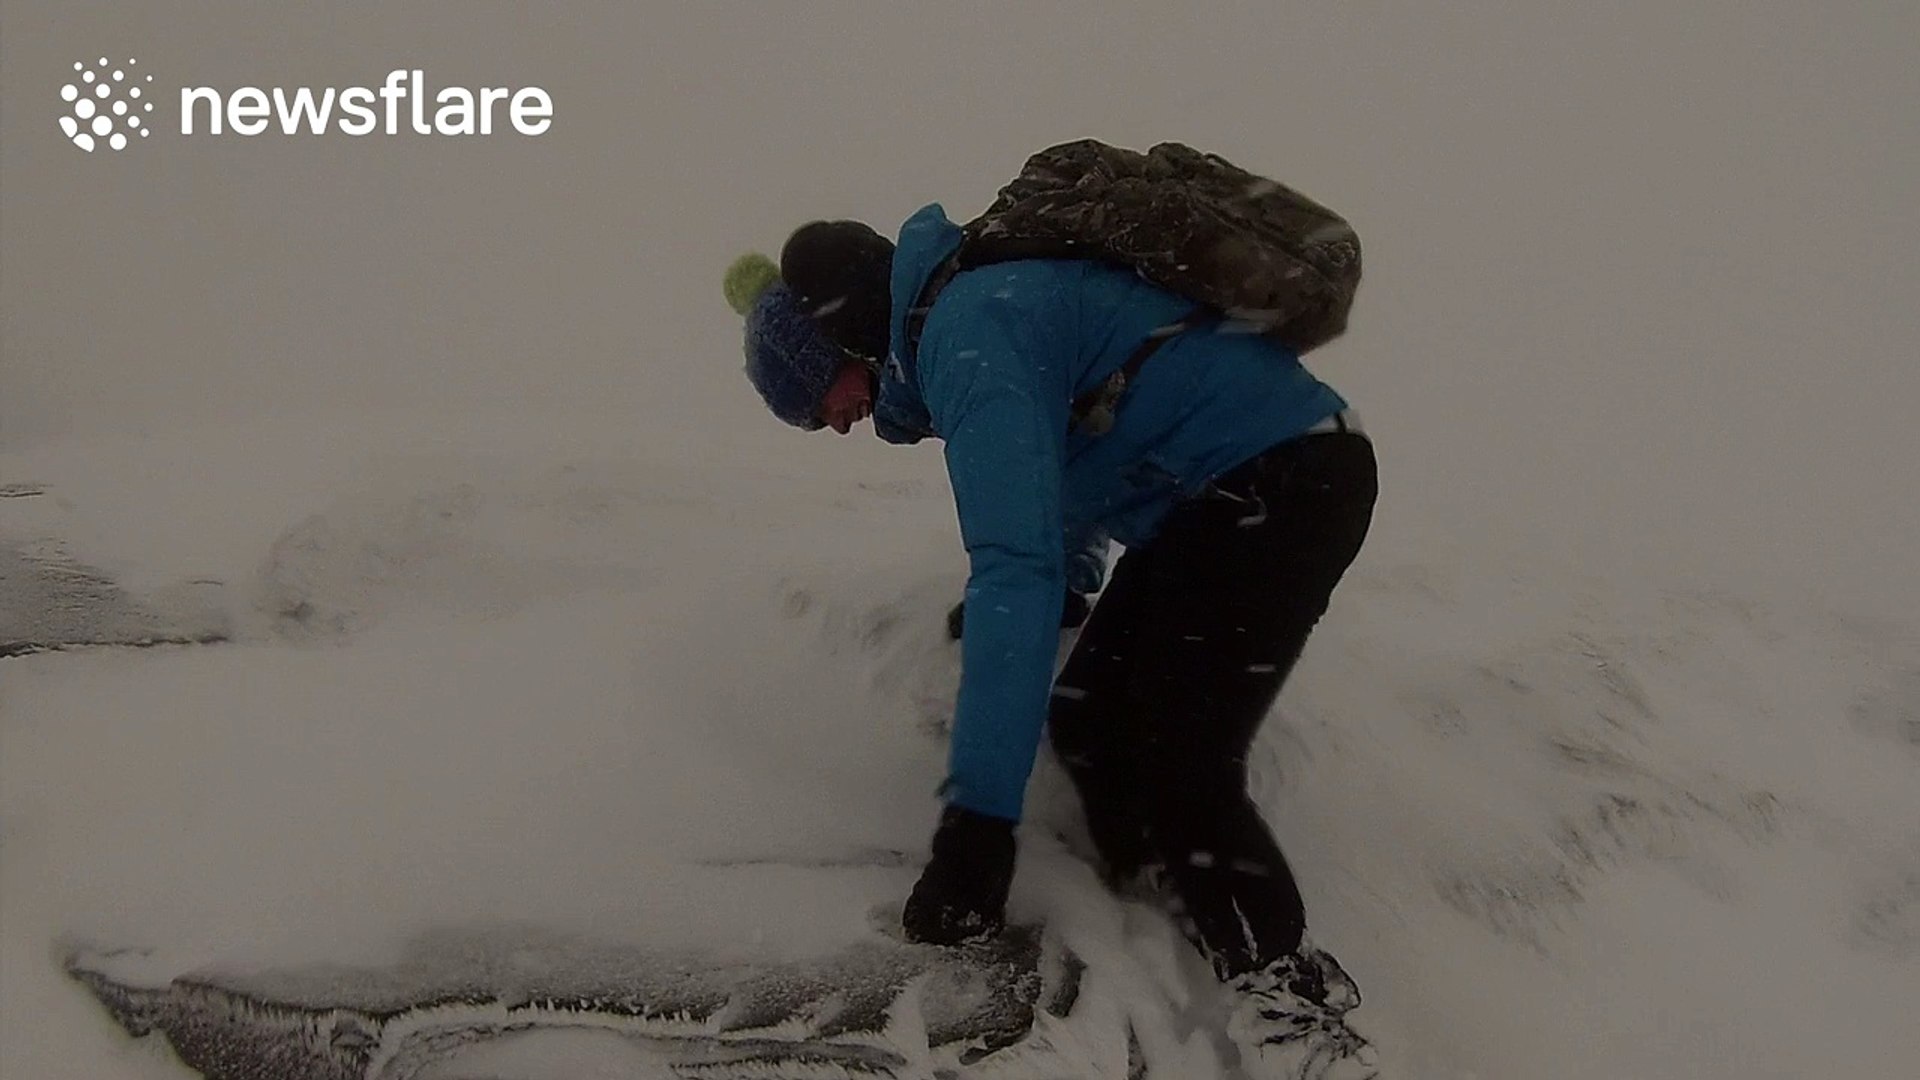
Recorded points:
(1241, 488)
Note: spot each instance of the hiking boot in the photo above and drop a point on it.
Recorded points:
(1289, 1021)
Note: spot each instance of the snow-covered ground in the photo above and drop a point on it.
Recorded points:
(1555, 826)
(1605, 764)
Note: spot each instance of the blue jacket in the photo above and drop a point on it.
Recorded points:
(1004, 351)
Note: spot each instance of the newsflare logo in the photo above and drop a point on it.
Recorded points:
(108, 104)
(105, 106)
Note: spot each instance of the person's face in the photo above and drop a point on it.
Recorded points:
(850, 399)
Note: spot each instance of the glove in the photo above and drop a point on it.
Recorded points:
(1073, 612)
(962, 894)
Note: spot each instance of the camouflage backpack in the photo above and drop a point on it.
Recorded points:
(1240, 246)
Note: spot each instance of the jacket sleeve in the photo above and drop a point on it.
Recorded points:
(992, 390)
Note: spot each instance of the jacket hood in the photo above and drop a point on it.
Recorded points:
(926, 239)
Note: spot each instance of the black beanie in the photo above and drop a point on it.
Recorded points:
(840, 272)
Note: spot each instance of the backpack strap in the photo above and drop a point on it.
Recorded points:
(977, 251)
(1093, 410)
(917, 314)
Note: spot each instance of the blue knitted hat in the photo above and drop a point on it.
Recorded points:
(789, 361)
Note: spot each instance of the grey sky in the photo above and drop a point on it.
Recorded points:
(1641, 276)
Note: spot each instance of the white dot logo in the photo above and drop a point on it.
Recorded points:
(105, 103)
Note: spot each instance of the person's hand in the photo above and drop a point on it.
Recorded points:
(962, 894)
(1073, 612)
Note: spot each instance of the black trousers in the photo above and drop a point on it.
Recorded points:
(1158, 705)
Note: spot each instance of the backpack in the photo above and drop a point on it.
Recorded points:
(1241, 246)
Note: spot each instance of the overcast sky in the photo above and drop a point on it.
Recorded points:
(1641, 277)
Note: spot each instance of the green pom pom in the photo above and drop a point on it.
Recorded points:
(747, 278)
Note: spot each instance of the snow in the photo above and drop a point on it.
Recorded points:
(1605, 763)
(1667, 826)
